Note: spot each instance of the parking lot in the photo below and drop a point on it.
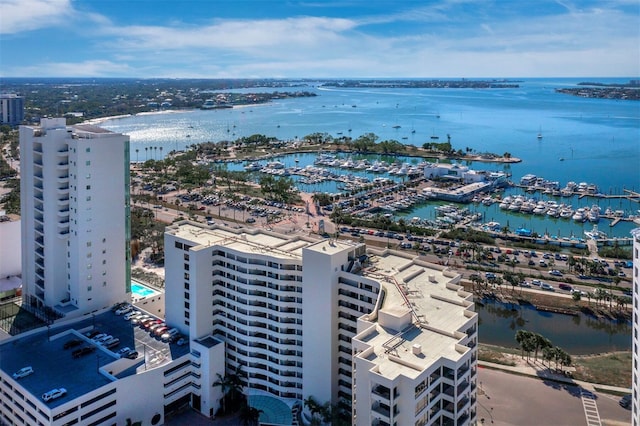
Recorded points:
(508, 399)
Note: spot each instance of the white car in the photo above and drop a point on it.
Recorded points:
(132, 315)
(124, 309)
(23, 372)
(103, 339)
(124, 351)
(98, 337)
(53, 394)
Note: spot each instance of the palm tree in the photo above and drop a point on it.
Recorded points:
(146, 150)
(541, 342)
(137, 154)
(160, 152)
(225, 386)
(250, 416)
(156, 149)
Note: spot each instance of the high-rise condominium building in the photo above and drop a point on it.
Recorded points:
(389, 338)
(11, 109)
(75, 217)
(635, 386)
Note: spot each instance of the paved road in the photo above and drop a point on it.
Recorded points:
(507, 399)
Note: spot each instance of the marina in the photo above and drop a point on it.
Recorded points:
(595, 138)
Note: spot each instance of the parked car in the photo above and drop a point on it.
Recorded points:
(23, 372)
(547, 287)
(98, 337)
(124, 309)
(83, 351)
(111, 343)
(147, 325)
(625, 401)
(167, 335)
(93, 333)
(156, 326)
(130, 315)
(118, 306)
(53, 394)
(555, 272)
(122, 352)
(566, 287)
(139, 319)
(160, 330)
(132, 355)
(72, 343)
(525, 284)
(181, 341)
(104, 339)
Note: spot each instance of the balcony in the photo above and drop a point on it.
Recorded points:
(449, 407)
(63, 152)
(382, 409)
(382, 391)
(462, 387)
(449, 374)
(63, 179)
(463, 419)
(462, 404)
(63, 165)
(448, 390)
(462, 371)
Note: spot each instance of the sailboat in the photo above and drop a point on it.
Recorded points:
(540, 133)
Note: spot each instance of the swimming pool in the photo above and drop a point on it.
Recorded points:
(141, 291)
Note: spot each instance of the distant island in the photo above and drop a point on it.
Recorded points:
(624, 91)
(429, 84)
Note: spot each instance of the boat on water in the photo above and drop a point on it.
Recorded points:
(275, 165)
(596, 234)
(253, 167)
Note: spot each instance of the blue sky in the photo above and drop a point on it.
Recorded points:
(319, 38)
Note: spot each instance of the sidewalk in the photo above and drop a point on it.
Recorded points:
(536, 369)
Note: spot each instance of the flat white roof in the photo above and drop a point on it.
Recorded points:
(252, 240)
(438, 309)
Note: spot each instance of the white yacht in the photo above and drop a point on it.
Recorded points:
(566, 212)
(579, 215)
(253, 167)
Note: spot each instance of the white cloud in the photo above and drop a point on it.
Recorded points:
(448, 38)
(233, 34)
(27, 15)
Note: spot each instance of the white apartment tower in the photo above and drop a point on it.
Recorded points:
(75, 217)
(288, 310)
(635, 386)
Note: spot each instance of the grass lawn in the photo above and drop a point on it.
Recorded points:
(609, 369)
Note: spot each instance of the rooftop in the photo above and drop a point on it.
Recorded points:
(251, 240)
(52, 363)
(423, 306)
